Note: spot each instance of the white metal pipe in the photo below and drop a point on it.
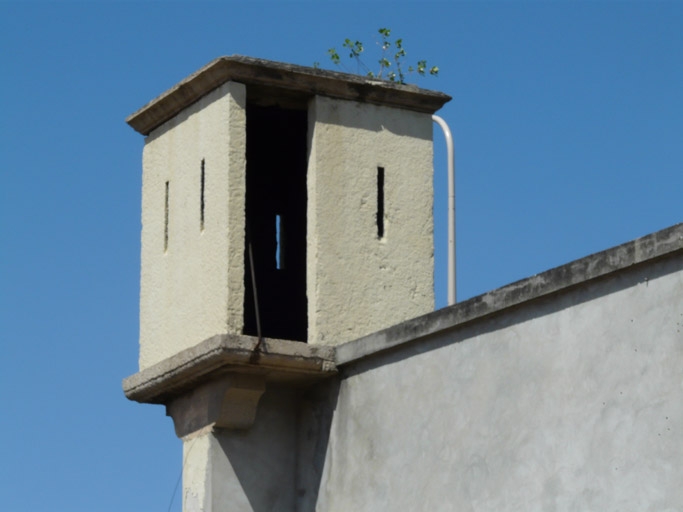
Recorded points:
(451, 207)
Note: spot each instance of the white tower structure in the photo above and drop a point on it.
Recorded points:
(285, 210)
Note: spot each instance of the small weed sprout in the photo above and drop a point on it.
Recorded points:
(392, 66)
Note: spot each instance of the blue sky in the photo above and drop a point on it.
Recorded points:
(568, 125)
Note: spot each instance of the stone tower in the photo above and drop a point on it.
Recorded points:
(284, 210)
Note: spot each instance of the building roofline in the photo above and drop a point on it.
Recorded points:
(300, 79)
(295, 362)
(649, 248)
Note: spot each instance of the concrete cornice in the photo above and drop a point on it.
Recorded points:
(275, 360)
(287, 77)
(649, 248)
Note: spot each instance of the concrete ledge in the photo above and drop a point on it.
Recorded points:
(276, 360)
(642, 250)
(284, 77)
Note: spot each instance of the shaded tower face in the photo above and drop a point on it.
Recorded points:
(311, 190)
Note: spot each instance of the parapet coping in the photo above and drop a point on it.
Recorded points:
(276, 360)
(642, 250)
(287, 77)
(296, 362)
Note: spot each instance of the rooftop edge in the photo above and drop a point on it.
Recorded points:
(296, 362)
(290, 77)
(650, 247)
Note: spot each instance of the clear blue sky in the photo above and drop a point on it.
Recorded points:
(568, 122)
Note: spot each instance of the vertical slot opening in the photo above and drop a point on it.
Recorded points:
(279, 263)
(201, 198)
(380, 202)
(166, 219)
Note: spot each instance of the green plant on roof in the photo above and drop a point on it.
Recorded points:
(392, 61)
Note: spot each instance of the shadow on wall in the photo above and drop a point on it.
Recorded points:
(367, 117)
(278, 463)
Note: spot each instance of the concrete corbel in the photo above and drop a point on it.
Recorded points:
(229, 402)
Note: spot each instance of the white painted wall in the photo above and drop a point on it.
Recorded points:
(568, 403)
(357, 283)
(187, 293)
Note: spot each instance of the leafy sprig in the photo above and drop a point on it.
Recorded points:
(392, 66)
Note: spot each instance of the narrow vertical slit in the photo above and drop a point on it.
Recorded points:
(201, 199)
(278, 242)
(166, 219)
(380, 202)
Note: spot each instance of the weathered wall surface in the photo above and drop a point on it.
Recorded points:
(187, 293)
(250, 470)
(572, 402)
(358, 282)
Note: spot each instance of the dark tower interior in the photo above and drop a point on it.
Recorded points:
(276, 222)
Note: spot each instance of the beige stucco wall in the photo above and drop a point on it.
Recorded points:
(357, 283)
(192, 284)
(573, 402)
(193, 289)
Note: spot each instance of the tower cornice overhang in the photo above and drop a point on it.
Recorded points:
(291, 82)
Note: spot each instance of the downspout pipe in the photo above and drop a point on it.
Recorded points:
(451, 207)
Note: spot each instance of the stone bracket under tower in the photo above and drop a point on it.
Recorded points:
(218, 383)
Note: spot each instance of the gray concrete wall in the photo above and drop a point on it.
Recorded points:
(569, 402)
(251, 470)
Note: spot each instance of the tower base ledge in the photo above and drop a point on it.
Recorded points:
(230, 355)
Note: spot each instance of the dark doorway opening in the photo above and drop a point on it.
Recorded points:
(276, 222)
